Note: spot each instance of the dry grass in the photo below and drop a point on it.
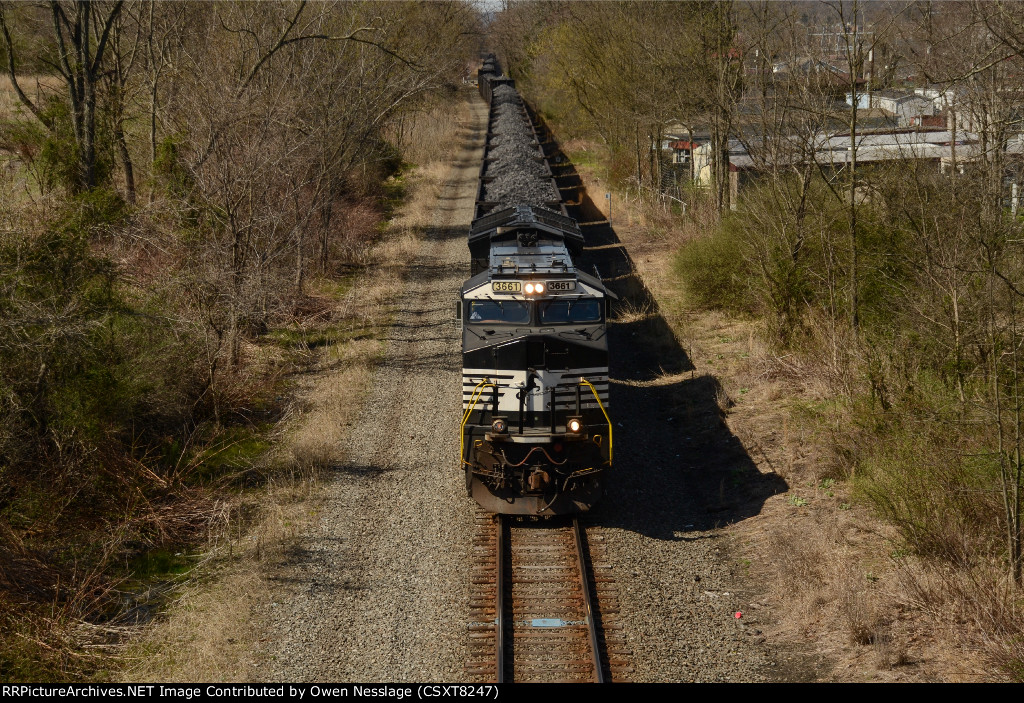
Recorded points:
(629, 311)
(428, 137)
(212, 629)
(34, 86)
(977, 608)
(206, 633)
(824, 566)
(875, 614)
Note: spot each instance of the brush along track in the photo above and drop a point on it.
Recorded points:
(545, 593)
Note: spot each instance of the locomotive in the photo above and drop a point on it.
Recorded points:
(536, 433)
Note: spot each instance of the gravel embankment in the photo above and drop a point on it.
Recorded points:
(378, 589)
(679, 477)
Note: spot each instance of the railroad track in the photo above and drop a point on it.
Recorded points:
(543, 604)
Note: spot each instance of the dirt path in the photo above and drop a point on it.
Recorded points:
(376, 590)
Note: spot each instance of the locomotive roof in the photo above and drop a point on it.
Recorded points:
(547, 257)
(525, 216)
(485, 277)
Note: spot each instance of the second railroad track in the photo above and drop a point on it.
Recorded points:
(543, 604)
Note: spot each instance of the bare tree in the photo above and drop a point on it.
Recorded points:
(82, 32)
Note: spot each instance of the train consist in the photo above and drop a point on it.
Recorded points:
(536, 431)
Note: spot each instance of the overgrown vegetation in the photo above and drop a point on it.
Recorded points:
(184, 200)
(896, 285)
(931, 377)
(623, 71)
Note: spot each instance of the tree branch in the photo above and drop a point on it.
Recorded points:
(284, 41)
(101, 45)
(280, 42)
(1012, 39)
(389, 52)
(58, 17)
(14, 79)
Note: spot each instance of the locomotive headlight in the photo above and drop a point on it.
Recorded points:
(538, 288)
(574, 425)
(528, 288)
(499, 426)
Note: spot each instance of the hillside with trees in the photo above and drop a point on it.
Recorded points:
(181, 183)
(843, 181)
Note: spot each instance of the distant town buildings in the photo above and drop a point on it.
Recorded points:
(937, 126)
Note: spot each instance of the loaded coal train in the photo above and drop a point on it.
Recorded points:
(536, 433)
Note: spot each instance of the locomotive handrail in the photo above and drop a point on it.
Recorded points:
(477, 392)
(588, 384)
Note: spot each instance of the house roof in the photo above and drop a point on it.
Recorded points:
(898, 95)
(896, 139)
(876, 146)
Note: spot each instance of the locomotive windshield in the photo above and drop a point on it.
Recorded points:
(509, 312)
(567, 312)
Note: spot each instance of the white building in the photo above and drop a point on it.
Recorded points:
(905, 106)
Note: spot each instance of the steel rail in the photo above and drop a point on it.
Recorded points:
(587, 604)
(499, 613)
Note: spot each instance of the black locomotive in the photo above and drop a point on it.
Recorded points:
(536, 432)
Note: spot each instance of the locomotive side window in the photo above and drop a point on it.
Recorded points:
(568, 312)
(509, 312)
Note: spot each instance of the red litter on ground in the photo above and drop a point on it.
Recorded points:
(738, 615)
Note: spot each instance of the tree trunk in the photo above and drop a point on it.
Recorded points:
(81, 66)
(300, 272)
(126, 161)
(326, 213)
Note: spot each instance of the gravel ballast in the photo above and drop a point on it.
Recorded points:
(378, 590)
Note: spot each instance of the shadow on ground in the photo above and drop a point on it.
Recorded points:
(678, 469)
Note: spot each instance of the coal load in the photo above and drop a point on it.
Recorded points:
(504, 95)
(515, 163)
